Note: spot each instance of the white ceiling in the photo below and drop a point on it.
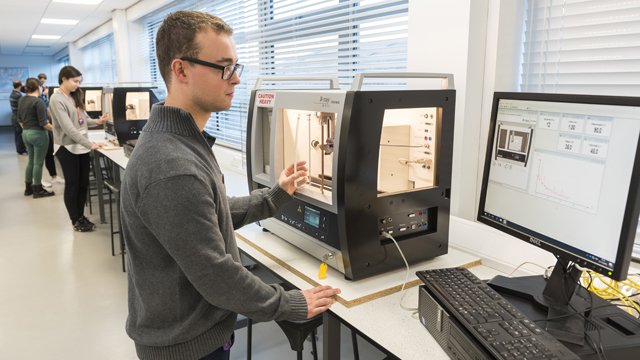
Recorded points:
(21, 18)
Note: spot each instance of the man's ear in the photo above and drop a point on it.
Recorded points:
(180, 73)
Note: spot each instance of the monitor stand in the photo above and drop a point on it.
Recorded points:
(557, 295)
(614, 329)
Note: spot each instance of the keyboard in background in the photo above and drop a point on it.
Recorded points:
(472, 321)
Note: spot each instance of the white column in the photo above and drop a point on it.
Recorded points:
(121, 45)
(75, 57)
(449, 36)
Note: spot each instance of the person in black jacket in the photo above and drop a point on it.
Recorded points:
(32, 115)
(16, 94)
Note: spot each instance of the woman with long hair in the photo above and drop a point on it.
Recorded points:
(32, 115)
(72, 144)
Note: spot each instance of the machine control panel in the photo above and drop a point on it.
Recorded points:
(311, 220)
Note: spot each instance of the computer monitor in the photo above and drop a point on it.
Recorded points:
(562, 172)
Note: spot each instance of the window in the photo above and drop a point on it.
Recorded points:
(333, 38)
(61, 62)
(99, 62)
(582, 46)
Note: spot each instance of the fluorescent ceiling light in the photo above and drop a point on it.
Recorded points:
(46, 37)
(59, 21)
(81, 2)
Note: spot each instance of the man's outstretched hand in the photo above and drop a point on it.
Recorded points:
(292, 176)
(319, 299)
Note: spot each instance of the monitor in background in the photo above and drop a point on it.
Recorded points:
(130, 107)
(562, 172)
(53, 90)
(93, 101)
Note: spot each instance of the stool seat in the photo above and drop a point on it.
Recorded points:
(298, 331)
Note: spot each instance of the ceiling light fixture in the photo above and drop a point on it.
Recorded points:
(59, 21)
(46, 37)
(79, 2)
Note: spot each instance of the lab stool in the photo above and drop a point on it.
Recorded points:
(295, 331)
(113, 189)
(92, 189)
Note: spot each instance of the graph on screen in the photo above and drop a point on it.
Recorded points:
(568, 181)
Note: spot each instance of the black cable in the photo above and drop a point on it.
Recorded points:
(591, 321)
(597, 347)
(592, 344)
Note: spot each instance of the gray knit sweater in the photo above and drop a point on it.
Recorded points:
(186, 282)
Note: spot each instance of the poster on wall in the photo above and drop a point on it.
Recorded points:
(8, 75)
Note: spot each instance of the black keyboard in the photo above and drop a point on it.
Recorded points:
(501, 329)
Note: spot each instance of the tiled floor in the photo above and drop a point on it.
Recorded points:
(62, 294)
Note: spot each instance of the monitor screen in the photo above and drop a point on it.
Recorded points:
(561, 172)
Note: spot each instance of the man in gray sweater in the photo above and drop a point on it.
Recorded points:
(186, 282)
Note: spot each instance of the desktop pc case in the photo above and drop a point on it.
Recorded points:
(358, 188)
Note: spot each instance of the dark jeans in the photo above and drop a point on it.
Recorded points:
(223, 352)
(20, 147)
(76, 176)
(49, 161)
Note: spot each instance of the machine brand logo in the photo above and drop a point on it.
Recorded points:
(534, 241)
(326, 101)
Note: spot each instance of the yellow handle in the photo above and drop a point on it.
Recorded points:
(322, 273)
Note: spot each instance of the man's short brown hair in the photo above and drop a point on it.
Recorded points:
(176, 37)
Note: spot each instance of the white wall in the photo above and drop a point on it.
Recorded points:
(479, 42)
(36, 65)
(449, 36)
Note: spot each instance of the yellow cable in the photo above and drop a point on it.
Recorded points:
(611, 289)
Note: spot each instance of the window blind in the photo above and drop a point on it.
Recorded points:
(99, 62)
(333, 38)
(585, 47)
(61, 62)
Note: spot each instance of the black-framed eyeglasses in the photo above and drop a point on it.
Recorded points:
(227, 71)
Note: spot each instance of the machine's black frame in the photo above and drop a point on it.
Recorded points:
(366, 253)
(93, 114)
(127, 129)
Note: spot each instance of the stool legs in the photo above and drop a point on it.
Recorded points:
(354, 341)
(249, 333)
(314, 346)
(113, 248)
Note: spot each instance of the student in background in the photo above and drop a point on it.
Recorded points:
(32, 115)
(15, 96)
(72, 144)
(49, 160)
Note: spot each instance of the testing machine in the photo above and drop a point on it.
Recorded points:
(379, 164)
